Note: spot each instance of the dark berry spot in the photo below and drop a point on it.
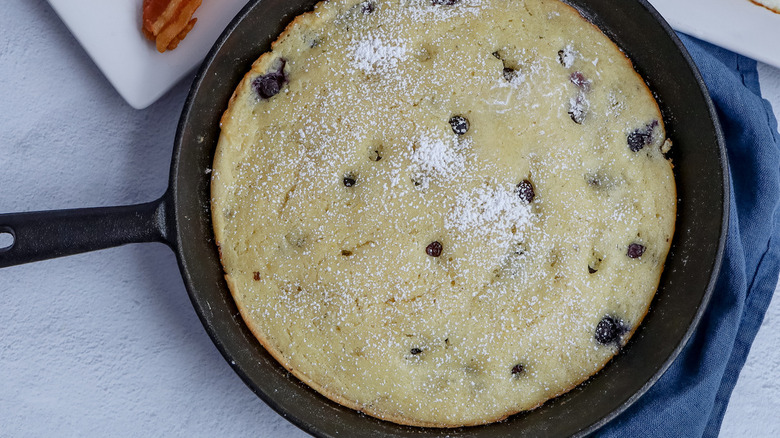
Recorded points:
(496, 54)
(459, 124)
(510, 74)
(635, 250)
(415, 351)
(561, 59)
(444, 2)
(434, 249)
(517, 370)
(375, 152)
(256, 276)
(268, 86)
(346, 252)
(641, 137)
(525, 190)
(594, 264)
(638, 139)
(609, 330)
(367, 7)
(349, 180)
(578, 79)
(271, 83)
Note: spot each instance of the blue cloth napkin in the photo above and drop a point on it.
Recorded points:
(691, 397)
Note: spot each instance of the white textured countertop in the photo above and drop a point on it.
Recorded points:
(107, 343)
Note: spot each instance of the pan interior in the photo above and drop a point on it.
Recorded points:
(685, 287)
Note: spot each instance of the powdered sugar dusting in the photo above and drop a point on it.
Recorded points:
(427, 10)
(342, 181)
(376, 54)
(568, 55)
(436, 159)
(488, 210)
(578, 107)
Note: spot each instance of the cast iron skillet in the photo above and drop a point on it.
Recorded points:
(182, 219)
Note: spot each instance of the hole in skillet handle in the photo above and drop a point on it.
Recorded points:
(7, 238)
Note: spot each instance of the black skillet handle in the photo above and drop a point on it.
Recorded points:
(41, 235)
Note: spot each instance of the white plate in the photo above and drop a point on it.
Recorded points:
(737, 25)
(110, 32)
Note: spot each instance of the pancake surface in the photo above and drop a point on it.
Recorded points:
(443, 212)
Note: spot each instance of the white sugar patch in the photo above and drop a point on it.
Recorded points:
(487, 210)
(516, 78)
(376, 54)
(568, 55)
(578, 106)
(436, 159)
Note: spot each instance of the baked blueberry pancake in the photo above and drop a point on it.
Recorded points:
(443, 212)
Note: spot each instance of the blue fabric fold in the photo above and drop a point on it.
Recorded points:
(690, 399)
